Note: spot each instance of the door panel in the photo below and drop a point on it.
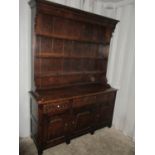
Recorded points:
(57, 126)
(82, 118)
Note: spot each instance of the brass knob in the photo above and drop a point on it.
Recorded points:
(58, 106)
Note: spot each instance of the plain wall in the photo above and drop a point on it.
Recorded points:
(24, 68)
(121, 71)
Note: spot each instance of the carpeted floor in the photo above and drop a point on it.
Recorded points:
(104, 142)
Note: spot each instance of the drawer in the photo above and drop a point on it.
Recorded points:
(57, 107)
(107, 99)
(83, 101)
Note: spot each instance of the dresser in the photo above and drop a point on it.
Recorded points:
(69, 94)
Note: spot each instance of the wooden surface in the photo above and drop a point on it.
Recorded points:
(69, 95)
(46, 96)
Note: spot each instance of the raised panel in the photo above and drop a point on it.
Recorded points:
(83, 118)
(58, 126)
(55, 128)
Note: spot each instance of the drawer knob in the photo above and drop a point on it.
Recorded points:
(66, 124)
(58, 106)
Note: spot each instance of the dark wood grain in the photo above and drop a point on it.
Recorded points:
(69, 94)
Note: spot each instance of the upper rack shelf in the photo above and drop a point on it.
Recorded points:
(54, 55)
(64, 37)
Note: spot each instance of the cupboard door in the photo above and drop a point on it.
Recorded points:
(57, 127)
(82, 118)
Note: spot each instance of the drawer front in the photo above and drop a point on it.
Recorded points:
(102, 98)
(106, 99)
(83, 101)
(57, 107)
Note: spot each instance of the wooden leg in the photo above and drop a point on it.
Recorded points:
(40, 152)
(67, 141)
(109, 125)
(92, 132)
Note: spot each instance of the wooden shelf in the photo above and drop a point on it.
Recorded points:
(69, 73)
(70, 38)
(68, 91)
(53, 55)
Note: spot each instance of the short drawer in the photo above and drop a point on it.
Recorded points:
(57, 107)
(107, 99)
(83, 101)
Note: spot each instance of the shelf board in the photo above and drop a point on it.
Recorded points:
(53, 55)
(64, 37)
(68, 73)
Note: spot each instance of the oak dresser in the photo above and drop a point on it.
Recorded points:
(69, 95)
